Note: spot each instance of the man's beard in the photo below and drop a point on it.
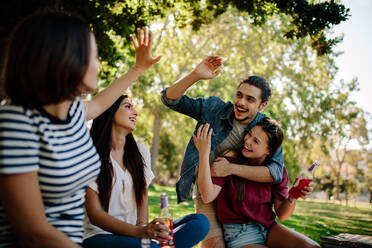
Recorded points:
(242, 120)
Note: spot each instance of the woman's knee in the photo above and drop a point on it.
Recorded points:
(306, 242)
(215, 242)
(282, 236)
(309, 244)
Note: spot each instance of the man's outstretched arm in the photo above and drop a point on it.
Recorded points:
(272, 172)
(207, 69)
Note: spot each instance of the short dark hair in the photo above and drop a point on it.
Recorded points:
(47, 58)
(260, 83)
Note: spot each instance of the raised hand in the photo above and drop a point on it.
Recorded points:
(143, 46)
(208, 68)
(202, 139)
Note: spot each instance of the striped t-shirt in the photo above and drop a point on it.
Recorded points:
(62, 153)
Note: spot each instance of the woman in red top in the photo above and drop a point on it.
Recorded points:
(245, 207)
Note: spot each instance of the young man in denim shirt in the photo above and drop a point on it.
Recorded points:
(229, 121)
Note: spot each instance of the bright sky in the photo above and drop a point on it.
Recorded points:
(357, 47)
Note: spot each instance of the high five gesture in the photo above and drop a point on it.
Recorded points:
(144, 60)
(143, 46)
(207, 69)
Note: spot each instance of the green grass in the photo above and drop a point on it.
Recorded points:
(177, 210)
(314, 219)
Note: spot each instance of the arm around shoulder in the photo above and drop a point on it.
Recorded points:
(276, 166)
(221, 167)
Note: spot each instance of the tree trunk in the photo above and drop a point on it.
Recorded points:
(337, 192)
(346, 195)
(155, 143)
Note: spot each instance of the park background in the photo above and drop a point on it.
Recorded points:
(315, 54)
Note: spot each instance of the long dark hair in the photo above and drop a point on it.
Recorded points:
(275, 138)
(47, 58)
(133, 160)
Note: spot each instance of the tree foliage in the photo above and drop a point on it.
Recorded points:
(113, 17)
(307, 18)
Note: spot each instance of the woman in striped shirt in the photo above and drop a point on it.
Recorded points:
(47, 158)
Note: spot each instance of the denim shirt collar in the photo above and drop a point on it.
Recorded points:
(256, 119)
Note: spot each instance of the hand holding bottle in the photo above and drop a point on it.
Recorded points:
(158, 229)
(303, 193)
(166, 216)
(302, 187)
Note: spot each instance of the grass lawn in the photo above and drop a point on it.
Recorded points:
(314, 219)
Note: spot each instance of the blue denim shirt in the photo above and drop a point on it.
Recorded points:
(220, 116)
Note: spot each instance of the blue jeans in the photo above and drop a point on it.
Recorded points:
(239, 235)
(188, 231)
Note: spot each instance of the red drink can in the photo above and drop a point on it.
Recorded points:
(299, 185)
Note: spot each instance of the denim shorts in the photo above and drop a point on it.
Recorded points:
(238, 235)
